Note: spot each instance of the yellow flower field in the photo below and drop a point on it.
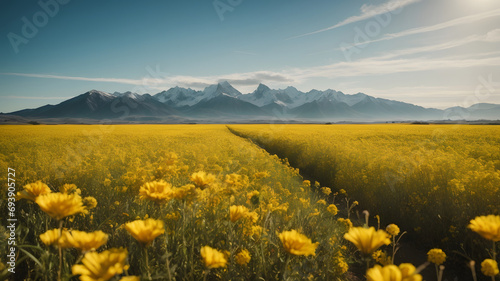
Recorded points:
(161, 196)
(429, 179)
(213, 202)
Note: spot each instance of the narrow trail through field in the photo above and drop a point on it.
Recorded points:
(408, 252)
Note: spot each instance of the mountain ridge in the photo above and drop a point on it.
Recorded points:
(222, 101)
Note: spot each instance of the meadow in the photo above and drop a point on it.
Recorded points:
(210, 202)
(429, 179)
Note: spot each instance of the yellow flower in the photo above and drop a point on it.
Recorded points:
(315, 213)
(367, 240)
(306, 183)
(70, 189)
(305, 202)
(107, 182)
(297, 244)
(489, 267)
(346, 222)
(253, 197)
(332, 209)
(381, 257)
(392, 229)
(405, 272)
(33, 190)
(51, 237)
(436, 256)
(408, 272)
(321, 201)
(157, 191)
(252, 217)
(170, 159)
(202, 179)
(487, 226)
(237, 212)
(243, 257)
(101, 266)
(84, 241)
(59, 205)
(212, 258)
(184, 191)
(253, 230)
(252, 194)
(173, 216)
(326, 190)
(130, 278)
(236, 180)
(145, 231)
(340, 265)
(89, 202)
(261, 175)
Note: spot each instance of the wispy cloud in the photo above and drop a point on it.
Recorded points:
(451, 23)
(91, 79)
(36, 98)
(374, 66)
(491, 36)
(377, 66)
(165, 82)
(367, 11)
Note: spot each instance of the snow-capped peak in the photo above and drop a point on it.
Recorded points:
(99, 93)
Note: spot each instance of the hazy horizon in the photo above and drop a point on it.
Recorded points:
(435, 54)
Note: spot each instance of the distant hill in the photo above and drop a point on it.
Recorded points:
(222, 102)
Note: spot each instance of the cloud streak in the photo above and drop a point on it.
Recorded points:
(420, 30)
(367, 11)
(91, 79)
(365, 67)
(162, 83)
(36, 98)
(376, 66)
(397, 61)
(491, 36)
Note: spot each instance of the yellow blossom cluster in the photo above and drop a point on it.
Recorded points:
(459, 165)
(197, 202)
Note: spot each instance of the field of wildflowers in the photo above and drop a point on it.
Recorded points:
(429, 179)
(197, 202)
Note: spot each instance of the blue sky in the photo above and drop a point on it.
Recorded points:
(434, 53)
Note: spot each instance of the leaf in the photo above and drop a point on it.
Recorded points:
(31, 257)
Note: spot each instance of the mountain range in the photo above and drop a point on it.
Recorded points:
(222, 102)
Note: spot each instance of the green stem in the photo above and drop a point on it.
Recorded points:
(437, 272)
(472, 265)
(167, 260)
(494, 251)
(494, 257)
(60, 251)
(348, 209)
(440, 275)
(80, 257)
(206, 274)
(393, 248)
(168, 269)
(147, 261)
(286, 267)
